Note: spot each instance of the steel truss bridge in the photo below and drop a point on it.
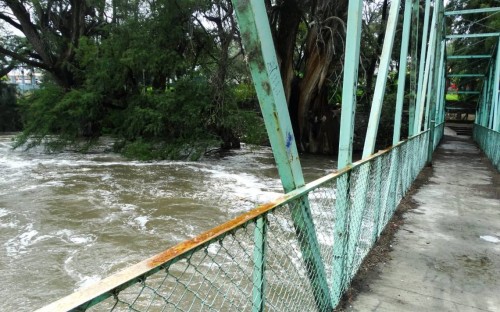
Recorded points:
(301, 251)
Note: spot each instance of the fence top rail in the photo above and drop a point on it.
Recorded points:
(105, 288)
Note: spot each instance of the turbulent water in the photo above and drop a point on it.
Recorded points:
(68, 219)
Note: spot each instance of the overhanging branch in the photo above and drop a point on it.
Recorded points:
(4, 71)
(23, 59)
(10, 21)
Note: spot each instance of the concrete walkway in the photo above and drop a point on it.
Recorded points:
(446, 257)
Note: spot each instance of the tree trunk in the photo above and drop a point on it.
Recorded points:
(314, 122)
(288, 24)
(317, 119)
(370, 73)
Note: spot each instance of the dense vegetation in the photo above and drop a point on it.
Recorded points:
(167, 78)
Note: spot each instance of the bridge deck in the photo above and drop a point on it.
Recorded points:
(446, 257)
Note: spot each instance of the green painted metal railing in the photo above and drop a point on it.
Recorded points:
(489, 141)
(255, 262)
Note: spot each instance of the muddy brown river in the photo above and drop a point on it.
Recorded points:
(69, 219)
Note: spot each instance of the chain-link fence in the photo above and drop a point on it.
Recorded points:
(297, 253)
(489, 141)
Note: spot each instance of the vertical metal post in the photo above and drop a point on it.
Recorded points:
(423, 51)
(377, 209)
(261, 56)
(383, 70)
(350, 85)
(403, 60)
(258, 299)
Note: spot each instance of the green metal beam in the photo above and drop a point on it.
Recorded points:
(383, 71)
(432, 74)
(350, 82)
(486, 101)
(482, 103)
(261, 56)
(472, 11)
(437, 72)
(465, 75)
(472, 56)
(442, 95)
(422, 93)
(403, 59)
(489, 120)
(260, 52)
(495, 94)
(466, 36)
(479, 108)
(414, 66)
(435, 48)
(421, 70)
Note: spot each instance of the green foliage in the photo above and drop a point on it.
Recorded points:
(52, 110)
(244, 117)
(176, 114)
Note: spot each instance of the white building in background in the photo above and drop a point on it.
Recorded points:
(25, 79)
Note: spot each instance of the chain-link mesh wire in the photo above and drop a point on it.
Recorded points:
(300, 255)
(489, 141)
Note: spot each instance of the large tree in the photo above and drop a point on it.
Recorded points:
(52, 31)
(155, 74)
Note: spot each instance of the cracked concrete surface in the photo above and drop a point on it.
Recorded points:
(447, 255)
